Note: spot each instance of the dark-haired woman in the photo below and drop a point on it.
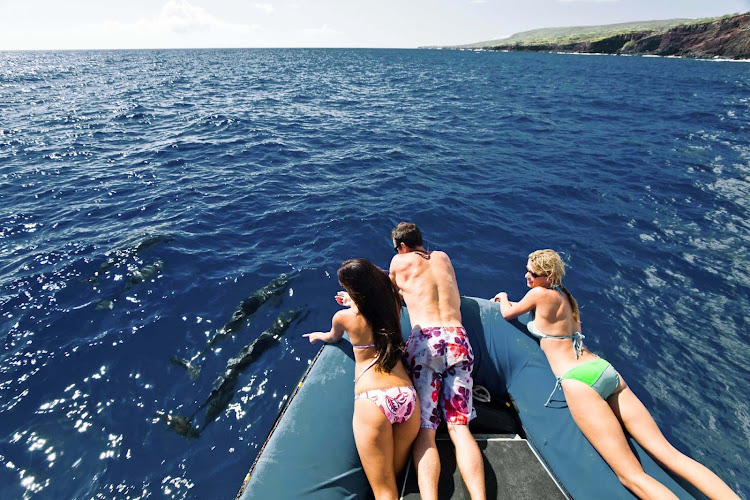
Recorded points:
(599, 400)
(386, 408)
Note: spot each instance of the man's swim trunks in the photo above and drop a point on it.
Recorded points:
(440, 361)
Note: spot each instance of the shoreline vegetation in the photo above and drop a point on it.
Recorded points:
(726, 37)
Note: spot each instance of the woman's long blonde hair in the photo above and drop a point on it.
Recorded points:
(548, 263)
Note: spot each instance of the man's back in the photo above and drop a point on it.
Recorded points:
(438, 358)
(428, 285)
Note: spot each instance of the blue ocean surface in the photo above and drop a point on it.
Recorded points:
(145, 194)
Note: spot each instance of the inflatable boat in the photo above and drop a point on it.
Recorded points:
(530, 451)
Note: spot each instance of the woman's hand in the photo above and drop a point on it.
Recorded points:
(315, 336)
(343, 299)
(337, 326)
(500, 296)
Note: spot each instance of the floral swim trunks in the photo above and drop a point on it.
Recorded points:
(440, 361)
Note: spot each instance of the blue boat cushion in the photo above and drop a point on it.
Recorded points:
(517, 357)
(311, 453)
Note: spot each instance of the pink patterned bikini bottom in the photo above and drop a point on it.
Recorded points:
(396, 403)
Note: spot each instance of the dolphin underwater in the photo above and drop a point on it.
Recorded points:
(138, 276)
(181, 425)
(223, 388)
(244, 310)
(143, 274)
(121, 255)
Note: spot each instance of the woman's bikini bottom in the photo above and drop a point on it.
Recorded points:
(597, 373)
(396, 403)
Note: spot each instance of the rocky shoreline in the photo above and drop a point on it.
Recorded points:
(725, 38)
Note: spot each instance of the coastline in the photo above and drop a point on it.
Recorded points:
(726, 38)
(571, 53)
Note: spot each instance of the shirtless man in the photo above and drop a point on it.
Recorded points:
(438, 358)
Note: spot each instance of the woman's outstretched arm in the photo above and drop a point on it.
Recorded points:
(334, 334)
(511, 310)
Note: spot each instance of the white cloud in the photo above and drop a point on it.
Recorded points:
(323, 30)
(166, 24)
(178, 16)
(475, 2)
(323, 36)
(265, 7)
(589, 1)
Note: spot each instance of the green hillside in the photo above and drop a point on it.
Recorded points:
(576, 34)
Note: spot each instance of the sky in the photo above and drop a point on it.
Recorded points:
(138, 24)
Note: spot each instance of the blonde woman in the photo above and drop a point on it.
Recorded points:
(599, 400)
(386, 407)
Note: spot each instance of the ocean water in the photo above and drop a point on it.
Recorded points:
(145, 194)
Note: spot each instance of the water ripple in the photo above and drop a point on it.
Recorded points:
(144, 194)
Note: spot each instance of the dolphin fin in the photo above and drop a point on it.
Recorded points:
(192, 370)
(181, 425)
(105, 304)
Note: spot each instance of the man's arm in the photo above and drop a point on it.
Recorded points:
(450, 266)
(394, 279)
(392, 275)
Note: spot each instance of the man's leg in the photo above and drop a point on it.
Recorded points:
(469, 460)
(458, 410)
(427, 463)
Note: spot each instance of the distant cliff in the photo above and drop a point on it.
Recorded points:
(727, 38)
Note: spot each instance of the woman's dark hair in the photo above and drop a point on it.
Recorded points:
(379, 303)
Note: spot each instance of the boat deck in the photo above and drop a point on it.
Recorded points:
(511, 470)
(511, 467)
(530, 450)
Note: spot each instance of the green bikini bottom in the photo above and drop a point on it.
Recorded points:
(598, 374)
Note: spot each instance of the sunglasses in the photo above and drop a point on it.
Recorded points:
(396, 247)
(535, 275)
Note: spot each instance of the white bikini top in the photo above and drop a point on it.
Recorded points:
(577, 336)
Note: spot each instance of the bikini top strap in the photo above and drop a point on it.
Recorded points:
(375, 360)
(578, 343)
(577, 337)
(531, 326)
(362, 346)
